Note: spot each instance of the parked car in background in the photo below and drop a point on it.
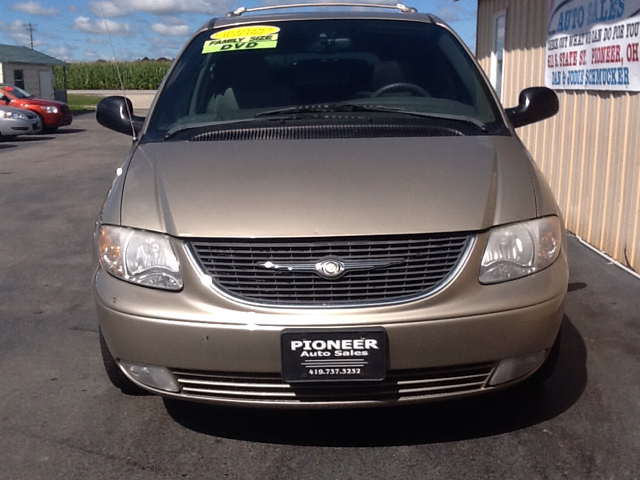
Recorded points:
(53, 114)
(328, 210)
(18, 121)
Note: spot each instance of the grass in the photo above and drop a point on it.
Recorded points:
(82, 103)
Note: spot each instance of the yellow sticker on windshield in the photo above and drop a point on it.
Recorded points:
(242, 38)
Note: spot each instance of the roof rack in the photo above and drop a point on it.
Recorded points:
(398, 6)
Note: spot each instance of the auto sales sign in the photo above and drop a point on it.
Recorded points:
(593, 45)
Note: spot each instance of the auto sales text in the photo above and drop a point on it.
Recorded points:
(338, 348)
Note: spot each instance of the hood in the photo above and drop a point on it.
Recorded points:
(311, 188)
(40, 102)
(23, 111)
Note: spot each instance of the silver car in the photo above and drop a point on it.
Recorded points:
(328, 210)
(17, 121)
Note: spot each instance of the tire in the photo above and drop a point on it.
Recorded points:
(41, 120)
(117, 378)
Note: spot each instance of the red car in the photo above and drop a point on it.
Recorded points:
(52, 113)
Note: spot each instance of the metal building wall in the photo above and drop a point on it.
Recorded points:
(590, 151)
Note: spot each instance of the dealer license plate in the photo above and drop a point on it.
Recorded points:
(333, 355)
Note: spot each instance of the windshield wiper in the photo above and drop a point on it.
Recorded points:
(350, 107)
(329, 108)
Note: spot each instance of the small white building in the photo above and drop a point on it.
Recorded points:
(30, 70)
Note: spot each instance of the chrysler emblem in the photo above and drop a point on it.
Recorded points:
(331, 268)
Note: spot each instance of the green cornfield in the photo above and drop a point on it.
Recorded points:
(139, 75)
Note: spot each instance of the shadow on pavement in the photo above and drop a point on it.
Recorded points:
(475, 417)
(32, 138)
(62, 131)
(79, 113)
(5, 146)
(575, 286)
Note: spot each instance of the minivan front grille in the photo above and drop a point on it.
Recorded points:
(401, 385)
(377, 269)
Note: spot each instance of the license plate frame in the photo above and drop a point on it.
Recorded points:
(334, 355)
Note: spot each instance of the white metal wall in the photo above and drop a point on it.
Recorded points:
(31, 75)
(590, 151)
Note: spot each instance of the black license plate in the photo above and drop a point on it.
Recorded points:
(333, 355)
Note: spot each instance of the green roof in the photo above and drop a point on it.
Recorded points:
(15, 54)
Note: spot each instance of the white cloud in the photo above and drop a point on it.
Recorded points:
(90, 54)
(108, 9)
(18, 33)
(168, 43)
(279, 2)
(449, 15)
(97, 41)
(456, 12)
(62, 52)
(93, 55)
(101, 27)
(170, 30)
(35, 8)
(172, 20)
(118, 8)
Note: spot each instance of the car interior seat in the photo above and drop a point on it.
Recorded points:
(386, 73)
(246, 82)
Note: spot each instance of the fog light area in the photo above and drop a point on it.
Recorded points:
(155, 377)
(514, 368)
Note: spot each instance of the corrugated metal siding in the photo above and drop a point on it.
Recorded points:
(589, 152)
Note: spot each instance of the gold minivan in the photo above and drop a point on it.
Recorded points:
(328, 209)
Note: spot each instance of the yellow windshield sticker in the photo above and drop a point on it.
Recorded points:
(242, 38)
(241, 32)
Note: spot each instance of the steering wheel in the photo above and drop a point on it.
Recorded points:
(410, 87)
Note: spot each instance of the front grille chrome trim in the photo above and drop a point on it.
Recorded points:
(208, 281)
(403, 385)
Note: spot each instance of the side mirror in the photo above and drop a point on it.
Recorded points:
(4, 99)
(116, 113)
(534, 104)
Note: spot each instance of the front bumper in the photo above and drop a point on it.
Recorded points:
(12, 127)
(241, 364)
(226, 352)
(55, 120)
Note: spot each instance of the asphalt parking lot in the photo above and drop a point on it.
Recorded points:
(61, 419)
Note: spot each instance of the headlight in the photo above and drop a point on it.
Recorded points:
(51, 109)
(521, 249)
(139, 257)
(15, 115)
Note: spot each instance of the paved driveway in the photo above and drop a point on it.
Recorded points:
(61, 419)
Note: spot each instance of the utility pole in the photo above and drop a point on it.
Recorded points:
(31, 28)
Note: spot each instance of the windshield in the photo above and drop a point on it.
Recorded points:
(15, 91)
(234, 74)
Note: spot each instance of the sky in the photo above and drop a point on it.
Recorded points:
(87, 30)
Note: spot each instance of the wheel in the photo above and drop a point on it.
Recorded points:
(117, 378)
(42, 124)
(410, 87)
